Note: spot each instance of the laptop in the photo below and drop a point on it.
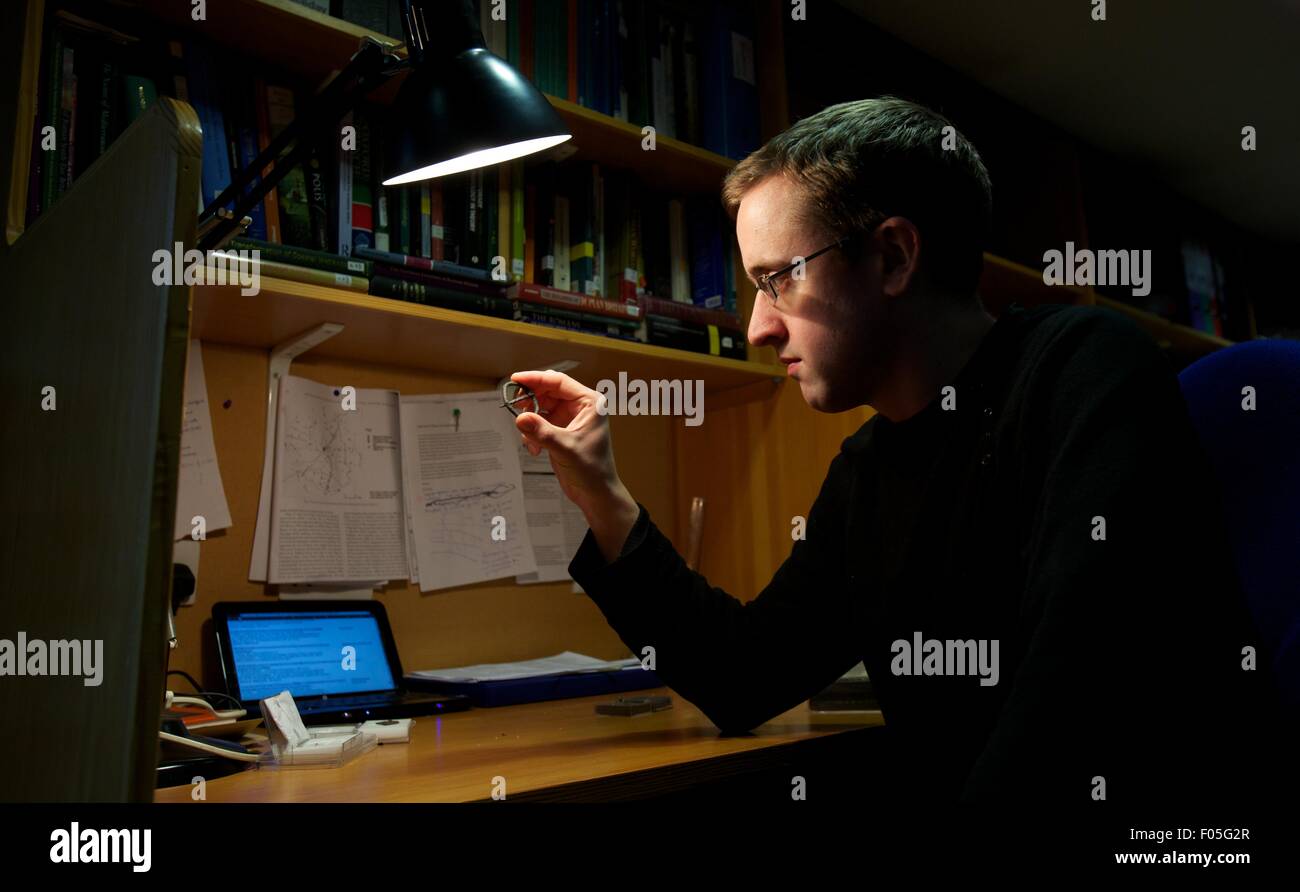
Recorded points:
(336, 658)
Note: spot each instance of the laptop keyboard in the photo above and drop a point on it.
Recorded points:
(332, 703)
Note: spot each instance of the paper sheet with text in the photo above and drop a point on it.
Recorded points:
(465, 495)
(199, 492)
(556, 525)
(337, 512)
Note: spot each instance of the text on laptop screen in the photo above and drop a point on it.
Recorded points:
(304, 653)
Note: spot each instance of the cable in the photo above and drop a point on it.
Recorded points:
(198, 689)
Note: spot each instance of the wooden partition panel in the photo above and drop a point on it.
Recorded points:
(88, 483)
(757, 464)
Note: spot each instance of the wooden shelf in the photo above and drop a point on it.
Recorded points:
(1005, 281)
(312, 45)
(284, 33)
(1169, 335)
(391, 332)
(674, 166)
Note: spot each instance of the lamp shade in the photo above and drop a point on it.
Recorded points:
(461, 108)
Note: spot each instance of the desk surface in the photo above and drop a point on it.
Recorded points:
(559, 749)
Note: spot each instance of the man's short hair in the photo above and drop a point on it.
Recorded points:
(863, 161)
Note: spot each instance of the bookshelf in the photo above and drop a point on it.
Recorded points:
(1168, 335)
(758, 460)
(380, 330)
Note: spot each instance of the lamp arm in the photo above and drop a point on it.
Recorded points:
(371, 66)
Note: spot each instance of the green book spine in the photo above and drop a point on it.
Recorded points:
(318, 201)
(492, 211)
(292, 196)
(517, 222)
(300, 256)
(295, 209)
(404, 220)
(53, 100)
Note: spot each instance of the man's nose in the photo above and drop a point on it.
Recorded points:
(765, 323)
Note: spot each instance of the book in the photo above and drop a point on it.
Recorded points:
(67, 119)
(435, 296)
(438, 227)
(679, 270)
(204, 90)
(317, 199)
(271, 202)
(341, 207)
(246, 144)
(505, 225)
(443, 267)
(403, 245)
(437, 280)
(728, 86)
(667, 331)
(426, 223)
(542, 311)
(561, 276)
(530, 232)
(370, 14)
(294, 273)
(363, 223)
(538, 294)
(492, 213)
(95, 48)
(582, 239)
(705, 237)
(597, 325)
(291, 192)
(383, 224)
(138, 93)
(476, 235)
(651, 305)
(309, 257)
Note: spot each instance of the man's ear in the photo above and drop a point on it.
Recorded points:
(898, 242)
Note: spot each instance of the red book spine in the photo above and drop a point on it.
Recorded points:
(531, 292)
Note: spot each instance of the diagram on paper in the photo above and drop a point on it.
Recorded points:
(322, 451)
(465, 497)
(458, 526)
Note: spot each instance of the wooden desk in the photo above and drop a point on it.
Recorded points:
(552, 751)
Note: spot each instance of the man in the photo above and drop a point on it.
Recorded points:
(1022, 544)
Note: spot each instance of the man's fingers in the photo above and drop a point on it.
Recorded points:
(550, 384)
(538, 430)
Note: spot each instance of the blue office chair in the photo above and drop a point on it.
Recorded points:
(1256, 457)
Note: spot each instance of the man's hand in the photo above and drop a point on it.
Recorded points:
(575, 434)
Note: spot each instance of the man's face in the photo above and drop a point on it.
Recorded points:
(833, 323)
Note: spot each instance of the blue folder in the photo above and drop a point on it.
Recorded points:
(511, 691)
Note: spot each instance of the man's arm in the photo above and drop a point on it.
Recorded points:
(741, 664)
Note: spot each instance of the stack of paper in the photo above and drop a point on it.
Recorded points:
(566, 663)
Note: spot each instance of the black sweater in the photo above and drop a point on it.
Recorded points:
(1118, 657)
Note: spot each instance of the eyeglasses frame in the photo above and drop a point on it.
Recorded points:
(766, 281)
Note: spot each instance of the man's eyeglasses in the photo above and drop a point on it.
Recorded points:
(767, 281)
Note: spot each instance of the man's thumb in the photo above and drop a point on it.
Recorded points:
(534, 425)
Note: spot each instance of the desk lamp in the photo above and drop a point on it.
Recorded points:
(460, 108)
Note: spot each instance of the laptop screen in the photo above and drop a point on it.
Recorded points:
(304, 654)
